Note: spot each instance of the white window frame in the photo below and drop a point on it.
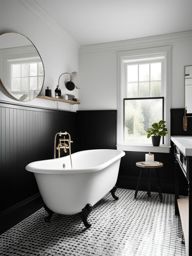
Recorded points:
(164, 51)
(20, 61)
(6, 55)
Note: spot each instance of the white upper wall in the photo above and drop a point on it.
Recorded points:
(98, 63)
(58, 49)
(99, 69)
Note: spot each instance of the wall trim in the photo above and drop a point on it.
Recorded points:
(8, 104)
(92, 110)
(130, 44)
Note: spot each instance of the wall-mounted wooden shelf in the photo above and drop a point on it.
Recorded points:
(59, 99)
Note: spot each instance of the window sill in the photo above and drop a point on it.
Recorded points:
(144, 148)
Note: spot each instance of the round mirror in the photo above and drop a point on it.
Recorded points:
(21, 67)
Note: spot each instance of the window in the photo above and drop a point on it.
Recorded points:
(139, 114)
(26, 75)
(143, 96)
(144, 79)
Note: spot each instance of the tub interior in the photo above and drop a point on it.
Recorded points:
(87, 159)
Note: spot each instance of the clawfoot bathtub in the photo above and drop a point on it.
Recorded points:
(67, 190)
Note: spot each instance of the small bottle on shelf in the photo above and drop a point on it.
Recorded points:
(57, 92)
(48, 92)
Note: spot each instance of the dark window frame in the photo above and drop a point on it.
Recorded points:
(143, 98)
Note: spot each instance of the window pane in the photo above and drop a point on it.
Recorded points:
(40, 69)
(144, 72)
(16, 71)
(144, 89)
(144, 80)
(132, 90)
(155, 89)
(132, 73)
(40, 82)
(24, 84)
(25, 70)
(156, 71)
(33, 69)
(139, 115)
(33, 83)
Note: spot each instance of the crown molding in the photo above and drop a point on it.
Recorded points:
(51, 23)
(130, 44)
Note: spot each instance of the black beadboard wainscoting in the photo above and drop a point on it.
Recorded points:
(97, 129)
(26, 135)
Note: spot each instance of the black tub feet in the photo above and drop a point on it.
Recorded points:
(113, 190)
(50, 213)
(84, 215)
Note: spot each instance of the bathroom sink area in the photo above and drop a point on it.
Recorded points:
(184, 143)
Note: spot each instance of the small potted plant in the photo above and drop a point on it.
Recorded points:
(156, 131)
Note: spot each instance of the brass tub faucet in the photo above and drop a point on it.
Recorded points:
(64, 143)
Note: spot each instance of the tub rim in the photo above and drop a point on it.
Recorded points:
(93, 169)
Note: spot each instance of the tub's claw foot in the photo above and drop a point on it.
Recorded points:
(113, 190)
(84, 215)
(50, 213)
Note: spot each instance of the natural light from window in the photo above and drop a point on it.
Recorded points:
(138, 117)
(143, 102)
(144, 97)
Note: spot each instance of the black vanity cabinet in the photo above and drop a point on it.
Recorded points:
(183, 204)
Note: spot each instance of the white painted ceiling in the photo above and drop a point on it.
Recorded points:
(98, 21)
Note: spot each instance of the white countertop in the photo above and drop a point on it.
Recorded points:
(184, 144)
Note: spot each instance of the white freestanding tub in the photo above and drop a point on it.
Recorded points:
(67, 190)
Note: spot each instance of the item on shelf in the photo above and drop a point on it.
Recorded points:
(65, 97)
(70, 96)
(57, 92)
(48, 92)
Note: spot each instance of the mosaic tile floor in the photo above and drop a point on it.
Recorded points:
(127, 227)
